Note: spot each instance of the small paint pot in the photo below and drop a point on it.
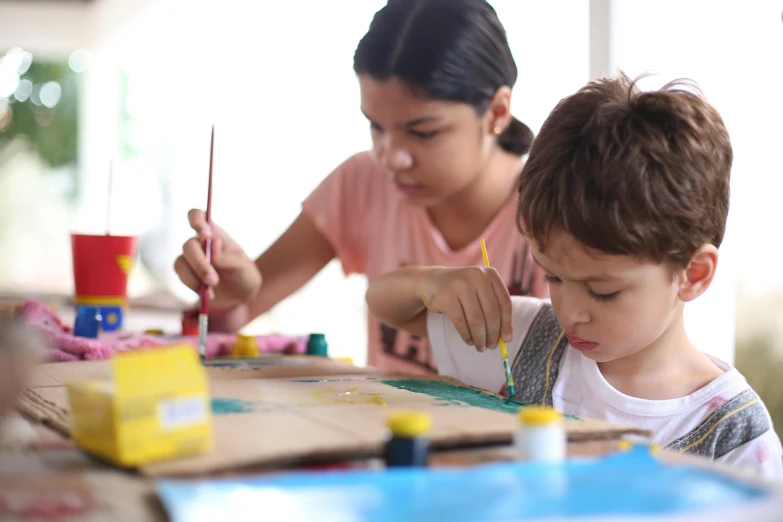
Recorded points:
(87, 322)
(408, 445)
(541, 435)
(245, 346)
(316, 345)
(113, 317)
(189, 323)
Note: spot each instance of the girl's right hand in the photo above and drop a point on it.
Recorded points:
(233, 278)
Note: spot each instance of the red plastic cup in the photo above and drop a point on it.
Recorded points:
(101, 266)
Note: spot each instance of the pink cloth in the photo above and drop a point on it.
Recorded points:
(373, 230)
(64, 346)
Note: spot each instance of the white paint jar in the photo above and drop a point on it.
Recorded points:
(541, 435)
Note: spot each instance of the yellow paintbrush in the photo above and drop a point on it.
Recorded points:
(501, 342)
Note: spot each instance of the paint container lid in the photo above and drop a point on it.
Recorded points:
(409, 424)
(190, 322)
(248, 340)
(316, 345)
(539, 415)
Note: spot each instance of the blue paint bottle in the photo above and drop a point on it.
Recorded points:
(408, 445)
(87, 322)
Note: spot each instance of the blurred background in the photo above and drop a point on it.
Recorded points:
(134, 85)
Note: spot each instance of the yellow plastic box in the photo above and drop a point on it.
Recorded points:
(156, 406)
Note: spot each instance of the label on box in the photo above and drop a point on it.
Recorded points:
(181, 412)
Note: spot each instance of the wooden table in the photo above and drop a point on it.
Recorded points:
(48, 469)
(42, 474)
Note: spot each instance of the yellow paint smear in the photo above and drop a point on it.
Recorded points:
(350, 396)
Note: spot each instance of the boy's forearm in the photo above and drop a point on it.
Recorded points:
(393, 298)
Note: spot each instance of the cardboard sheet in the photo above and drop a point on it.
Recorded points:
(58, 374)
(298, 409)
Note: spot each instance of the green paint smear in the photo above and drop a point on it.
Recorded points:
(224, 406)
(449, 394)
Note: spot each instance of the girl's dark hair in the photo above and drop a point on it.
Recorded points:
(452, 50)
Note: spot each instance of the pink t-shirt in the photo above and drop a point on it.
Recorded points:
(374, 230)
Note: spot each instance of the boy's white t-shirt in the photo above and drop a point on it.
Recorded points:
(725, 420)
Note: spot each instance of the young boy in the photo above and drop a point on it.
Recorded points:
(624, 197)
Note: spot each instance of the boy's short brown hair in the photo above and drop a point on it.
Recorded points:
(628, 172)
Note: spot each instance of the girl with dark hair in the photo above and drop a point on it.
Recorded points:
(435, 79)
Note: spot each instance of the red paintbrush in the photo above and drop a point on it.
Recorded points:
(203, 317)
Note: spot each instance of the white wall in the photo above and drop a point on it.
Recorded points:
(734, 50)
(277, 82)
(45, 28)
(280, 88)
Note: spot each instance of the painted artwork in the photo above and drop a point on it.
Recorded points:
(369, 390)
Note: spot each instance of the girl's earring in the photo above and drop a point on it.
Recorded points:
(498, 130)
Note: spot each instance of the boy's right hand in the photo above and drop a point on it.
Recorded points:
(474, 298)
(232, 276)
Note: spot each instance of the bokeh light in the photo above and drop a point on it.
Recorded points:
(50, 95)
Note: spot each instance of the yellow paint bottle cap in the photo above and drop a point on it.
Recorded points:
(409, 423)
(539, 415)
(245, 346)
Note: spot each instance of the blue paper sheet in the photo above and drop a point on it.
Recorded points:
(630, 483)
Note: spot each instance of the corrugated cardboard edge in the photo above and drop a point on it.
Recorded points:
(47, 412)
